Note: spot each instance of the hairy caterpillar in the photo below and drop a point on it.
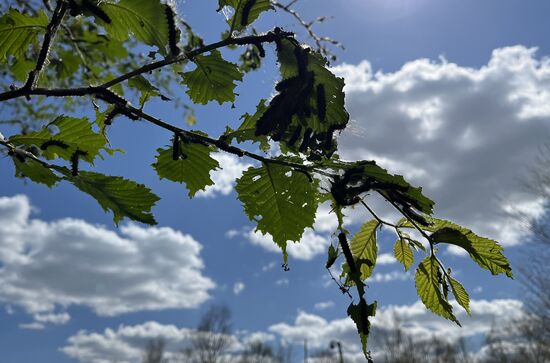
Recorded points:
(305, 141)
(176, 149)
(347, 253)
(57, 143)
(301, 60)
(172, 30)
(246, 12)
(17, 154)
(321, 102)
(74, 161)
(78, 7)
(261, 49)
(295, 135)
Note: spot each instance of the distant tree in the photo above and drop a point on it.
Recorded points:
(212, 339)
(323, 356)
(258, 352)
(154, 352)
(400, 347)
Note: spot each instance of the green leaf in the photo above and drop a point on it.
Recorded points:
(145, 88)
(360, 314)
(66, 65)
(21, 68)
(486, 252)
(364, 249)
(403, 253)
(246, 11)
(428, 286)
(125, 198)
(332, 256)
(63, 136)
(251, 59)
(192, 167)
(281, 200)
(460, 294)
(212, 80)
(18, 32)
(35, 171)
(309, 106)
(433, 225)
(146, 19)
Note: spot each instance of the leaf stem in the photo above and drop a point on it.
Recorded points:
(380, 220)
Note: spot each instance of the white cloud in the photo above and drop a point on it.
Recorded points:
(323, 305)
(311, 244)
(397, 275)
(126, 343)
(465, 134)
(47, 266)
(385, 259)
(231, 168)
(238, 287)
(417, 321)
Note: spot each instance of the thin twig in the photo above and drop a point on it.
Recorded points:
(51, 30)
(380, 220)
(269, 37)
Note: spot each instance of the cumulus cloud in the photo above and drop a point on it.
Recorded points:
(231, 168)
(126, 343)
(464, 134)
(48, 266)
(419, 323)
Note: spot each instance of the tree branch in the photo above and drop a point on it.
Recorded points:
(269, 37)
(51, 30)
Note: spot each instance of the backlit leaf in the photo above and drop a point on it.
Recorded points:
(192, 167)
(364, 249)
(429, 289)
(146, 19)
(63, 136)
(35, 171)
(486, 252)
(403, 253)
(125, 198)
(18, 32)
(282, 201)
(245, 11)
(460, 294)
(212, 80)
(309, 105)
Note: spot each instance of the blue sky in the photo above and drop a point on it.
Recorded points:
(451, 94)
